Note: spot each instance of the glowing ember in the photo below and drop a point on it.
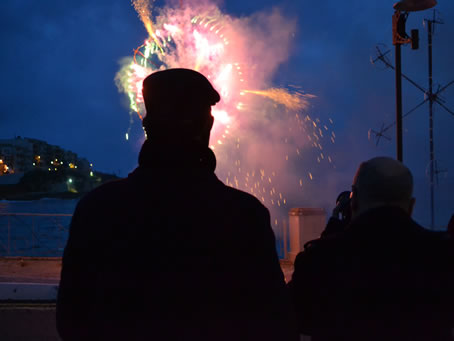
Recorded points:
(295, 101)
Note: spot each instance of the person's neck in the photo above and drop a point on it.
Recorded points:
(176, 155)
(373, 206)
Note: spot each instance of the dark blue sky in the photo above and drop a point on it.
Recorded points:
(59, 59)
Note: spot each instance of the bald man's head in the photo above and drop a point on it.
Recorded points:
(382, 181)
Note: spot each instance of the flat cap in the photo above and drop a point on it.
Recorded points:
(177, 94)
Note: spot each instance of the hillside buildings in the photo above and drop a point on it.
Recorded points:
(20, 155)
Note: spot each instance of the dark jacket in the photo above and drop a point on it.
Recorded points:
(334, 227)
(451, 226)
(384, 278)
(171, 253)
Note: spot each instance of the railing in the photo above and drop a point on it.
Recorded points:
(33, 234)
(281, 233)
(45, 235)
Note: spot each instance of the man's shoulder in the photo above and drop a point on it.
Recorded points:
(424, 237)
(320, 251)
(114, 190)
(241, 198)
(390, 223)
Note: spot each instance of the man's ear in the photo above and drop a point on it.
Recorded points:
(354, 201)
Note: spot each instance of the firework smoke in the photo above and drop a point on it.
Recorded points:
(260, 131)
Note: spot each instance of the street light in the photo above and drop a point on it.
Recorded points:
(414, 5)
(400, 37)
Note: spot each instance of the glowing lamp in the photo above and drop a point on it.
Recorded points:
(414, 5)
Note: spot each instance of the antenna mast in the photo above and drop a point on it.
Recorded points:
(430, 96)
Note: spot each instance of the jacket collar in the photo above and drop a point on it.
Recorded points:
(384, 221)
(176, 157)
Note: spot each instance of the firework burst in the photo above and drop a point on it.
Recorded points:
(258, 129)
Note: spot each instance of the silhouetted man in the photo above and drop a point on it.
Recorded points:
(170, 252)
(385, 277)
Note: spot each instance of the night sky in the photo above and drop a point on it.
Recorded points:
(59, 60)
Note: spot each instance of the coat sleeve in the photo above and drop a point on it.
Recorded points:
(267, 293)
(302, 291)
(75, 294)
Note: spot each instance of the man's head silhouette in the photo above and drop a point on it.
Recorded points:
(178, 104)
(382, 181)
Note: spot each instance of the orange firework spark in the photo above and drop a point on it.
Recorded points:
(142, 8)
(295, 101)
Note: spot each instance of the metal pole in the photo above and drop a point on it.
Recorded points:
(399, 103)
(431, 124)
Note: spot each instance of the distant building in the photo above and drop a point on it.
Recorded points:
(20, 155)
(15, 155)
